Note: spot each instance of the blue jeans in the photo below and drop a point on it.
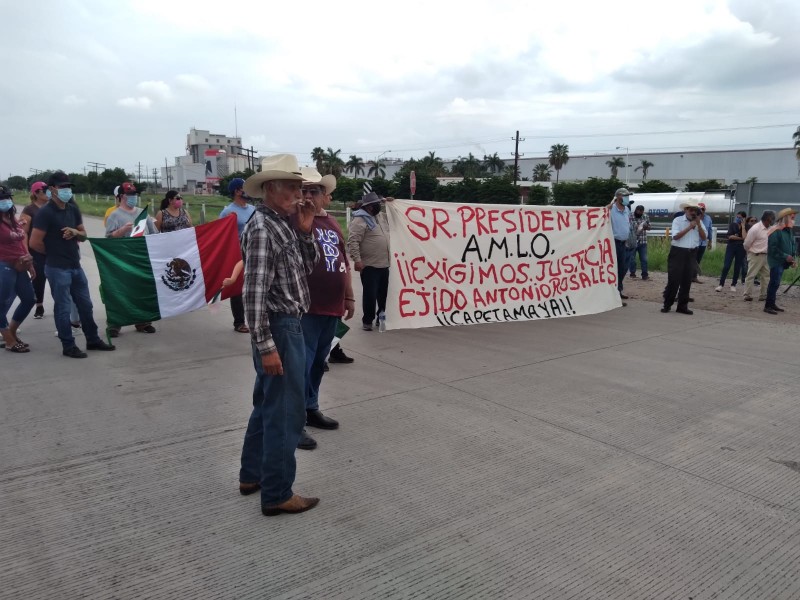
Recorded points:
(622, 262)
(775, 275)
(318, 331)
(278, 415)
(734, 254)
(68, 286)
(641, 250)
(14, 284)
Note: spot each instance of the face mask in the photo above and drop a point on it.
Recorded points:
(5, 205)
(375, 209)
(131, 201)
(49, 195)
(65, 194)
(638, 214)
(178, 203)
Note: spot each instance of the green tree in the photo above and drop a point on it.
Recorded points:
(751, 180)
(703, 186)
(377, 169)
(614, 164)
(541, 172)
(18, 182)
(595, 191)
(558, 157)
(466, 190)
(107, 181)
(348, 190)
(796, 138)
(318, 156)
(644, 167)
(512, 173)
(468, 166)
(538, 194)
(384, 187)
(493, 163)
(498, 190)
(332, 164)
(654, 186)
(223, 183)
(433, 165)
(355, 165)
(426, 184)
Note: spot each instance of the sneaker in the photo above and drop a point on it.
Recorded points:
(339, 357)
(39, 313)
(718, 288)
(367, 326)
(733, 288)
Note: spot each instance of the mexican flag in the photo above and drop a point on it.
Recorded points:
(162, 275)
(140, 224)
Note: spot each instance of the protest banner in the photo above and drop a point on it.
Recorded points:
(465, 264)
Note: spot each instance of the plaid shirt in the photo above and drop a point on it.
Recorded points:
(276, 261)
(641, 235)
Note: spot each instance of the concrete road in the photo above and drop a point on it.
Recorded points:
(625, 455)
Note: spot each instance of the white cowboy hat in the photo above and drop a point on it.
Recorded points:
(279, 166)
(690, 204)
(311, 175)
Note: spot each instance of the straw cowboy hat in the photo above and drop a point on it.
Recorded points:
(311, 175)
(277, 167)
(690, 204)
(785, 212)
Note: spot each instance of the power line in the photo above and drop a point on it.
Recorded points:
(670, 132)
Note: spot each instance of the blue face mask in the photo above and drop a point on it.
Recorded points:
(65, 194)
(5, 205)
(131, 201)
(49, 195)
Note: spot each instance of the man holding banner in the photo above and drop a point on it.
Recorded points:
(121, 224)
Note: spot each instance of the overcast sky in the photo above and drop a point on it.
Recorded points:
(122, 82)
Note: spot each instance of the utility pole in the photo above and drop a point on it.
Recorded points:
(95, 165)
(166, 171)
(250, 154)
(36, 171)
(517, 140)
(155, 178)
(139, 176)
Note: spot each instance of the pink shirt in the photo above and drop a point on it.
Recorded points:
(757, 239)
(12, 242)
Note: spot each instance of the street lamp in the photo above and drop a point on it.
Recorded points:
(382, 154)
(626, 162)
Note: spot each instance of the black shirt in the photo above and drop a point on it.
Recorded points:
(61, 253)
(735, 229)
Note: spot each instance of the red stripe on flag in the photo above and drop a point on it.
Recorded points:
(218, 243)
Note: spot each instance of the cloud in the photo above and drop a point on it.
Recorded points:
(140, 103)
(73, 100)
(155, 90)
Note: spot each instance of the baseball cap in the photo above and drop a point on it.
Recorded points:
(5, 193)
(622, 192)
(126, 188)
(59, 178)
(39, 185)
(236, 183)
(701, 205)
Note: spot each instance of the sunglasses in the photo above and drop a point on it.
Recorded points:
(178, 198)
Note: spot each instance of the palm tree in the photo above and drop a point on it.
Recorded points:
(615, 163)
(377, 169)
(541, 172)
(332, 164)
(559, 156)
(318, 156)
(646, 164)
(433, 165)
(796, 138)
(512, 173)
(493, 163)
(355, 165)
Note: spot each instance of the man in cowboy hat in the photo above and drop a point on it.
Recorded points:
(331, 296)
(620, 214)
(688, 233)
(368, 246)
(277, 259)
(780, 256)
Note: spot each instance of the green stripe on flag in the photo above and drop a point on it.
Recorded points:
(128, 288)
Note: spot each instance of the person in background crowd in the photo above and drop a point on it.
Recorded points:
(640, 222)
(277, 260)
(620, 215)
(756, 244)
(38, 200)
(119, 225)
(734, 252)
(112, 208)
(243, 211)
(688, 233)
(368, 246)
(171, 215)
(331, 293)
(701, 250)
(57, 229)
(16, 271)
(780, 256)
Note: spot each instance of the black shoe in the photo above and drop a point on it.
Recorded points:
(39, 313)
(691, 299)
(778, 308)
(666, 309)
(306, 442)
(339, 357)
(684, 311)
(325, 367)
(632, 275)
(645, 278)
(145, 329)
(623, 296)
(74, 352)
(770, 310)
(100, 345)
(75, 324)
(315, 418)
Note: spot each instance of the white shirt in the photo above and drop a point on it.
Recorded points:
(692, 238)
